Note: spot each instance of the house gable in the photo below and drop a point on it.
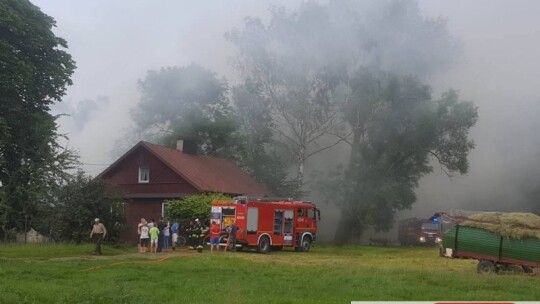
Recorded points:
(163, 181)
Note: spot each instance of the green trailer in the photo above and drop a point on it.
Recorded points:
(493, 251)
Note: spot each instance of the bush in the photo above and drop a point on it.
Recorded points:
(192, 207)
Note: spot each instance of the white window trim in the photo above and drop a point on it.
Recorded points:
(144, 181)
(163, 205)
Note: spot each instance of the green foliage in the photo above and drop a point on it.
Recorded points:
(69, 214)
(214, 137)
(192, 207)
(35, 71)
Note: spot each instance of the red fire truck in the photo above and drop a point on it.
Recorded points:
(269, 224)
(415, 231)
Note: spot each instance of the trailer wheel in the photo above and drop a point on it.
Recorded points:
(486, 267)
(264, 244)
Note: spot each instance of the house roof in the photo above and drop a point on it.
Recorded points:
(205, 173)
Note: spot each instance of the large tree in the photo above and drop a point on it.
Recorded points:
(339, 72)
(35, 71)
(297, 61)
(399, 132)
(292, 81)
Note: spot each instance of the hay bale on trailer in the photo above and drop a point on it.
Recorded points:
(513, 225)
(497, 240)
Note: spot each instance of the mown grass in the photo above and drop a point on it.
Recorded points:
(55, 250)
(327, 274)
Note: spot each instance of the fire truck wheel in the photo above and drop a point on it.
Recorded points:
(264, 245)
(306, 244)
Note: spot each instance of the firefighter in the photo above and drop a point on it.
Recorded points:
(199, 232)
(189, 233)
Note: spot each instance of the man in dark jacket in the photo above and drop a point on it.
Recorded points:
(161, 225)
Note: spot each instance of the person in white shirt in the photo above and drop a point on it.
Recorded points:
(141, 224)
(98, 234)
(145, 238)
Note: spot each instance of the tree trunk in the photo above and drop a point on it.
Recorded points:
(25, 227)
(344, 229)
(300, 172)
(354, 147)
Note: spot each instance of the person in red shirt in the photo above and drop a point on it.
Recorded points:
(215, 231)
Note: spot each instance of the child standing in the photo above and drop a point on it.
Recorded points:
(154, 235)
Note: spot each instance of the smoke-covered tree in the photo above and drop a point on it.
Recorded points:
(258, 153)
(292, 83)
(338, 68)
(187, 102)
(399, 131)
(35, 71)
(296, 62)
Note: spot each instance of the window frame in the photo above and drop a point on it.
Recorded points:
(141, 181)
(163, 206)
(310, 213)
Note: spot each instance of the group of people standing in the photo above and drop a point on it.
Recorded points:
(163, 236)
(155, 236)
(197, 232)
(215, 236)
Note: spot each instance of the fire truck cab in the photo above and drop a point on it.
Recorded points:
(268, 224)
(415, 231)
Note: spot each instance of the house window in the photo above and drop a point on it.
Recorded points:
(144, 175)
(164, 208)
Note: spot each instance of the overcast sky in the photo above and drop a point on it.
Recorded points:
(115, 42)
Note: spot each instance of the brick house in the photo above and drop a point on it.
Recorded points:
(150, 174)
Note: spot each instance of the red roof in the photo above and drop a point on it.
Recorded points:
(206, 173)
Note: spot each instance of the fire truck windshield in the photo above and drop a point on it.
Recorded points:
(430, 226)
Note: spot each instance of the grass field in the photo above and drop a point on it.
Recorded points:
(327, 274)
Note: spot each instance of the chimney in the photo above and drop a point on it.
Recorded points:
(187, 146)
(180, 145)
